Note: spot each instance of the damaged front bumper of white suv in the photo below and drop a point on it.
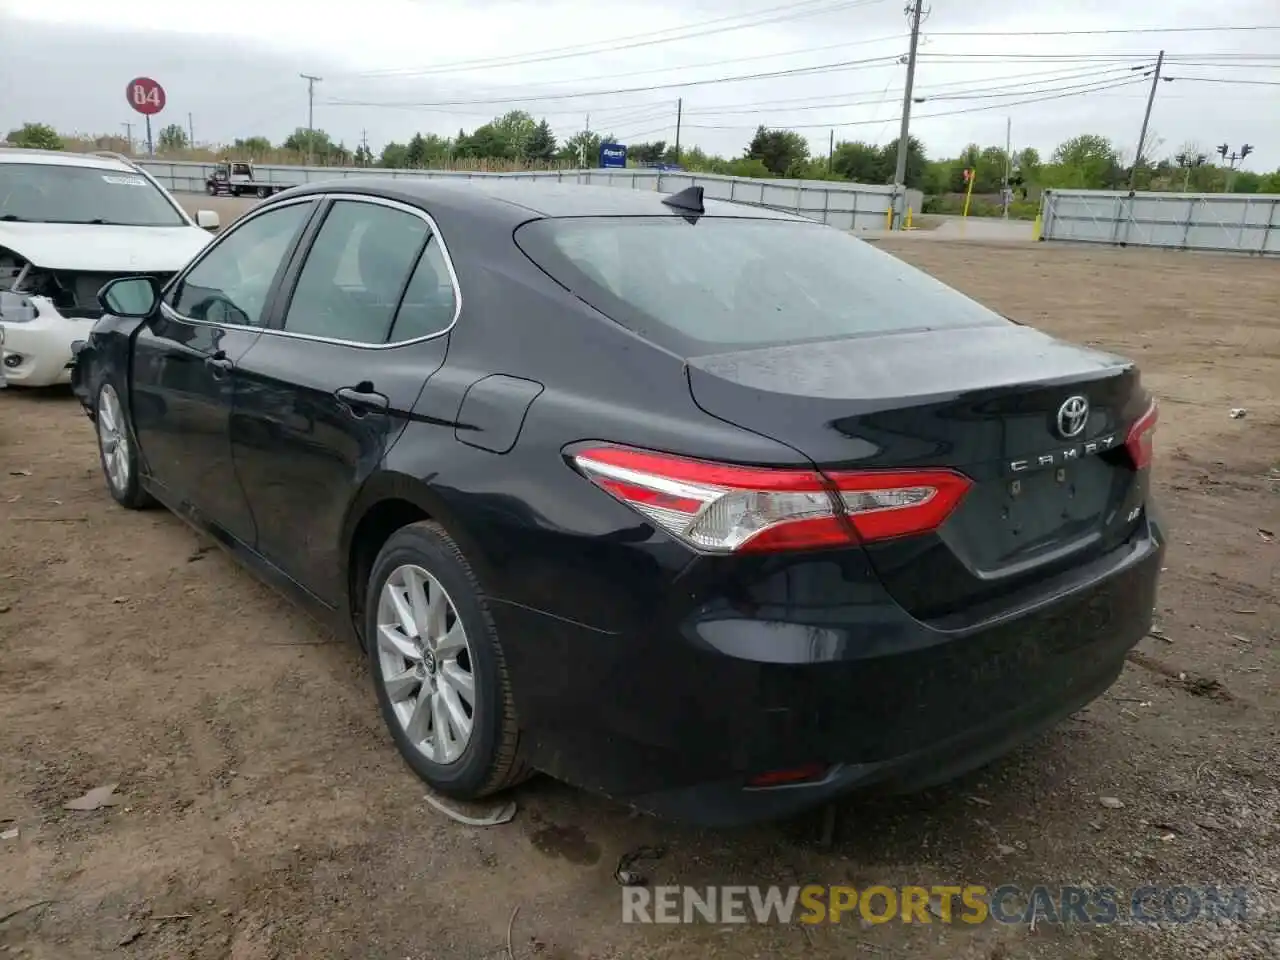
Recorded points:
(36, 347)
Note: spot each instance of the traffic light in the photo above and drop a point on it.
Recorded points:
(1224, 149)
(1245, 151)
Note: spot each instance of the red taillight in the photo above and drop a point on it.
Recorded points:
(807, 773)
(1141, 435)
(721, 508)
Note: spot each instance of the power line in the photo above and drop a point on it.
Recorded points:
(1085, 33)
(1038, 82)
(721, 63)
(1108, 85)
(644, 133)
(792, 11)
(1260, 83)
(1020, 89)
(1228, 65)
(992, 93)
(819, 102)
(792, 72)
(652, 109)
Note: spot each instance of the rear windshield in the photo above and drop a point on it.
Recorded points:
(721, 284)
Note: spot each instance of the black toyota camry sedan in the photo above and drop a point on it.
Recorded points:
(712, 509)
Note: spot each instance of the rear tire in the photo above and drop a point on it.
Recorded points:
(263, 193)
(212, 188)
(117, 453)
(427, 657)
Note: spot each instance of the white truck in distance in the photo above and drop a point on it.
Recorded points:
(236, 177)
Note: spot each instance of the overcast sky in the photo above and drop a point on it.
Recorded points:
(393, 67)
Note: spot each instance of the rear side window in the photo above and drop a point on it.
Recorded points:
(355, 272)
(721, 284)
(429, 302)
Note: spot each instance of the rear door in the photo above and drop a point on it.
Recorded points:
(360, 324)
(184, 366)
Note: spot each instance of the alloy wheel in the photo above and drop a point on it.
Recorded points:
(425, 664)
(113, 439)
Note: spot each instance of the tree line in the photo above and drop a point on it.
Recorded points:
(515, 140)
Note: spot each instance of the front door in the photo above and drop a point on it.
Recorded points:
(330, 385)
(185, 367)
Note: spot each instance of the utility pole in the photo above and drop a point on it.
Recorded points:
(1188, 161)
(679, 117)
(1146, 119)
(364, 142)
(311, 111)
(1005, 193)
(900, 171)
(128, 132)
(191, 131)
(831, 149)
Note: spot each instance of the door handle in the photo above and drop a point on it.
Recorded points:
(362, 398)
(220, 364)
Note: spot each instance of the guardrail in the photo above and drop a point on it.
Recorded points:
(1223, 222)
(848, 206)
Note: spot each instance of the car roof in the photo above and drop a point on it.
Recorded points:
(541, 197)
(58, 158)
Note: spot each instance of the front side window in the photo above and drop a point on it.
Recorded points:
(356, 273)
(60, 193)
(231, 283)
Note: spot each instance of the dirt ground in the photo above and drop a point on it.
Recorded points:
(265, 814)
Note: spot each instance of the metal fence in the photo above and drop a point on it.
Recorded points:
(848, 206)
(1226, 222)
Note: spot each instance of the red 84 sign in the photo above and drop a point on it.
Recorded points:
(145, 95)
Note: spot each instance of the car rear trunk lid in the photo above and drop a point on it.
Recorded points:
(1037, 424)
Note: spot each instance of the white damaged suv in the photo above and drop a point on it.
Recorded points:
(69, 223)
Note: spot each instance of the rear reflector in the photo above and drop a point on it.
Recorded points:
(882, 505)
(1141, 435)
(723, 508)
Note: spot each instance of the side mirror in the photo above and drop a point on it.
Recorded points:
(208, 220)
(130, 297)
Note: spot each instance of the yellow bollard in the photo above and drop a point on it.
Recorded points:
(908, 218)
(888, 218)
(1035, 235)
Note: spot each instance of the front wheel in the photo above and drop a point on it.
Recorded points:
(437, 666)
(263, 193)
(212, 188)
(116, 451)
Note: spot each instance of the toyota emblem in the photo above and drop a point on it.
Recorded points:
(1073, 415)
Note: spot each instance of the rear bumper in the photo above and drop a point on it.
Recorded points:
(814, 664)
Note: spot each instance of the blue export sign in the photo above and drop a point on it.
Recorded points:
(613, 155)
